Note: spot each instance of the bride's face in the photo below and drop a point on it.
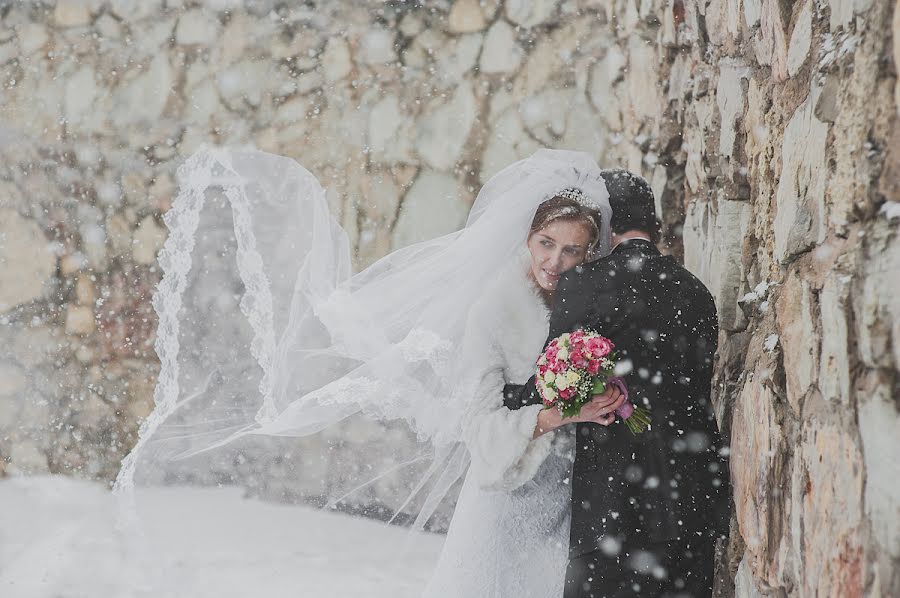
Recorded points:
(559, 246)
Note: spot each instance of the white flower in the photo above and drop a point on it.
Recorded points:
(572, 378)
(549, 377)
(563, 354)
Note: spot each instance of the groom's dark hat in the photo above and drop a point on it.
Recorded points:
(632, 202)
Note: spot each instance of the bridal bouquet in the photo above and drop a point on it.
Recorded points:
(577, 365)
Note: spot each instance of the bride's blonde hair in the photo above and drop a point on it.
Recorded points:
(567, 209)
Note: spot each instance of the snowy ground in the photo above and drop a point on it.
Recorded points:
(58, 539)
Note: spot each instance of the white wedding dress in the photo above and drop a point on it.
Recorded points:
(267, 336)
(510, 531)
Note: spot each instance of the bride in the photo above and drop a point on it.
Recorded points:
(428, 336)
(510, 531)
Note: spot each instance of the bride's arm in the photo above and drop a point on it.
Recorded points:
(547, 421)
(502, 445)
(504, 452)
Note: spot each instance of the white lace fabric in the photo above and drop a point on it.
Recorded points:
(265, 335)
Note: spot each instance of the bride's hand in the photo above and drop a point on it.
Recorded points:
(598, 411)
(601, 408)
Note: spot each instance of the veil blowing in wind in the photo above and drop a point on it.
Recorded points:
(274, 355)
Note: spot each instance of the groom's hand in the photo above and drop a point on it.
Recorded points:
(601, 408)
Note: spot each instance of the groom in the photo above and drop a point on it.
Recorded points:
(647, 509)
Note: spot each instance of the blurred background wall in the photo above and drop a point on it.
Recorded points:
(767, 128)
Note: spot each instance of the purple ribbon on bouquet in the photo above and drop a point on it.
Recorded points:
(627, 408)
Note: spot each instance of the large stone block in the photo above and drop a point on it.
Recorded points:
(604, 90)
(132, 10)
(197, 27)
(798, 338)
(879, 429)
(466, 16)
(843, 12)
(390, 134)
(459, 57)
(13, 380)
(800, 198)
(876, 308)
(744, 584)
(834, 365)
(507, 143)
(829, 518)
(243, 84)
(731, 97)
(72, 13)
(584, 130)
(529, 13)
(432, 207)
(722, 21)
(643, 101)
(336, 60)
(443, 130)
(148, 240)
(377, 47)
(143, 99)
(32, 37)
(752, 11)
(697, 137)
(501, 52)
(801, 40)
(27, 261)
(713, 245)
(545, 114)
(759, 464)
(770, 41)
(81, 91)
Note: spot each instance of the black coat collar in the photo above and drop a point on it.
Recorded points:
(640, 245)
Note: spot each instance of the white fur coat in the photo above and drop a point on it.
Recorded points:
(509, 536)
(504, 336)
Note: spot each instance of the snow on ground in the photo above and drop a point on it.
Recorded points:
(58, 539)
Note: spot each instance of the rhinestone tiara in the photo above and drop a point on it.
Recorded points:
(579, 196)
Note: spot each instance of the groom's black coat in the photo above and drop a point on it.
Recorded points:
(673, 481)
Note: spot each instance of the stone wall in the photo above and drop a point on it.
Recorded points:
(767, 128)
(788, 144)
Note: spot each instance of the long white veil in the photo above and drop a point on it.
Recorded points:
(276, 358)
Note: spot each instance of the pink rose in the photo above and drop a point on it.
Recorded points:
(579, 360)
(600, 346)
(593, 367)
